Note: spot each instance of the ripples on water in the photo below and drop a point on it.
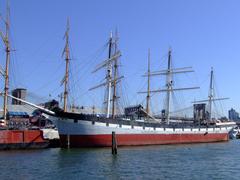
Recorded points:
(196, 161)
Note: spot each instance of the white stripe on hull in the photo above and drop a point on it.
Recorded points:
(68, 127)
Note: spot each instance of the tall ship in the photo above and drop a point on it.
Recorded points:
(15, 129)
(136, 126)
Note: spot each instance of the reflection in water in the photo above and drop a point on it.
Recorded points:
(198, 161)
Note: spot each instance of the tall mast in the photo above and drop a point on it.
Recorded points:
(93, 109)
(110, 81)
(114, 98)
(169, 86)
(169, 82)
(7, 50)
(210, 96)
(148, 87)
(66, 78)
(109, 77)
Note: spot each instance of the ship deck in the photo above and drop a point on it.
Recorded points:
(132, 122)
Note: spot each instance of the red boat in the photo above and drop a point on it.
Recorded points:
(22, 139)
(15, 137)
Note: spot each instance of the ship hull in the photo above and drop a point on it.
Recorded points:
(22, 139)
(139, 139)
(98, 134)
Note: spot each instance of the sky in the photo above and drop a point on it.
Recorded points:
(201, 34)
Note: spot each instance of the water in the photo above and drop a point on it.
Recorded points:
(196, 161)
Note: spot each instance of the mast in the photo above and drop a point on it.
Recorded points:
(110, 64)
(169, 82)
(5, 39)
(66, 78)
(93, 109)
(148, 88)
(114, 98)
(109, 76)
(169, 86)
(210, 96)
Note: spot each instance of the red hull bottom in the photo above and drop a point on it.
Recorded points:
(139, 139)
(22, 139)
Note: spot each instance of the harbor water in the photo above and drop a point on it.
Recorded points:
(193, 161)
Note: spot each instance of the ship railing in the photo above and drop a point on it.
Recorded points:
(124, 121)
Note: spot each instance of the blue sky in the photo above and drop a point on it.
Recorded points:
(201, 33)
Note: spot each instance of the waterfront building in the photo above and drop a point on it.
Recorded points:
(233, 114)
